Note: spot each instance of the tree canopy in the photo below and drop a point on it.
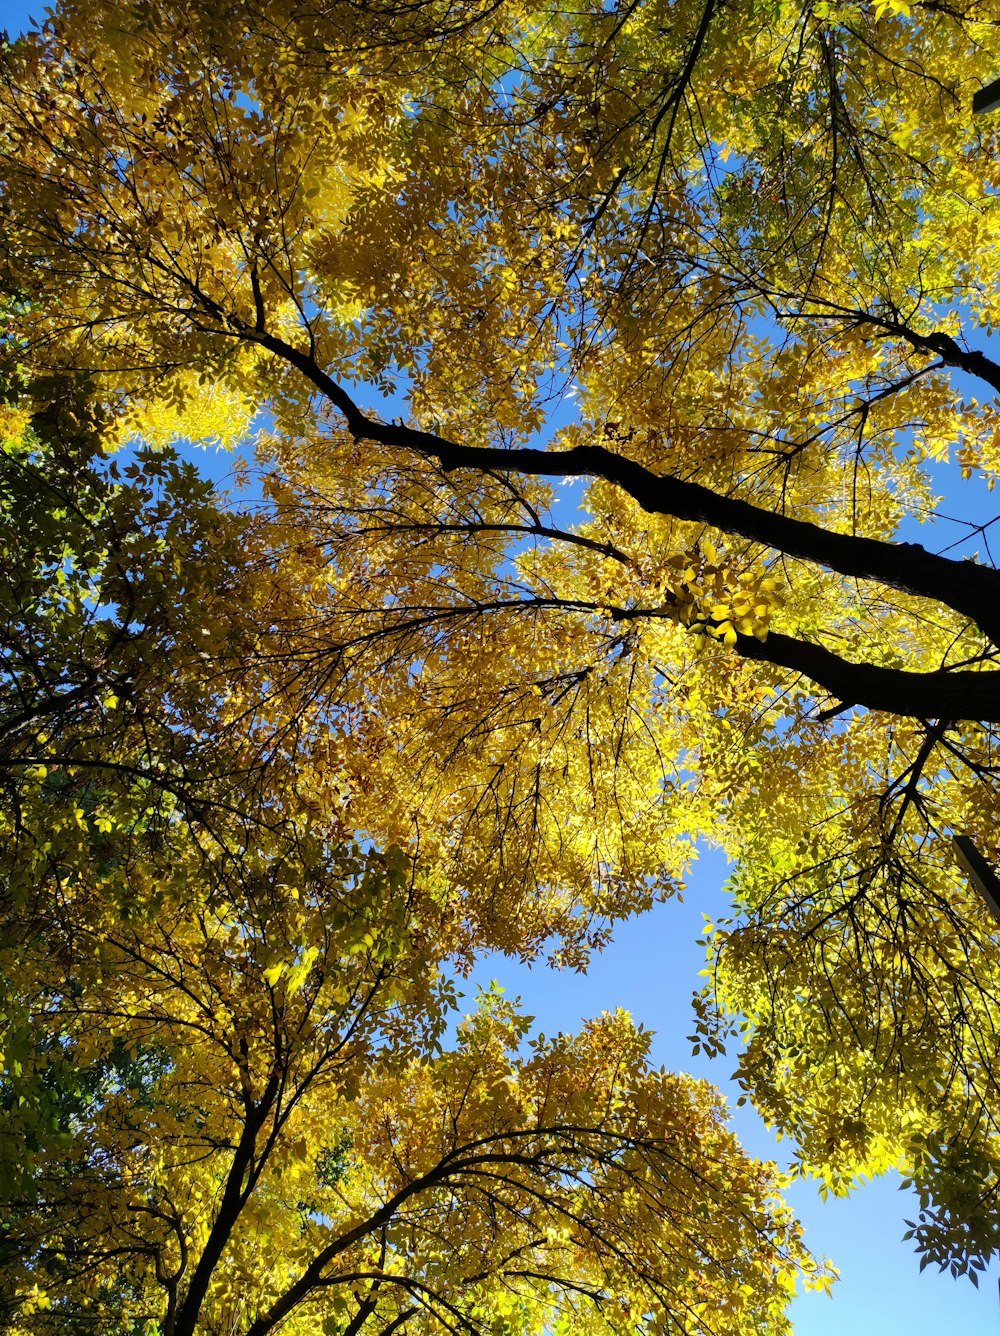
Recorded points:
(234, 1093)
(753, 248)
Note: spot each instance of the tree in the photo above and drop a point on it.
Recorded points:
(229, 1099)
(296, 1150)
(756, 242)
(92, 603)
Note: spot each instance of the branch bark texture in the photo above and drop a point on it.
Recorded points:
(967, 588)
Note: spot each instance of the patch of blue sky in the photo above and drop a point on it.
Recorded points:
(964, 522)
(16, 16)
(651, 969)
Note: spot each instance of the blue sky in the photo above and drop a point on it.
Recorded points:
(652, 969)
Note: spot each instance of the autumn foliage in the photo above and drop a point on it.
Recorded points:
(597, 362)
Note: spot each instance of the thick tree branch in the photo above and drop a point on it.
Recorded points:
(975, 363)
(964, 586)
(937, 341)
(944, 694)
(974, 696)
(239, 1183)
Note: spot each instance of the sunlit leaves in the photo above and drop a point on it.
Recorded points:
(744, 242)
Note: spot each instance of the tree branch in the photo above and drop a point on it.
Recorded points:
(943, 694)
(964, 586)
(239, 1183)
